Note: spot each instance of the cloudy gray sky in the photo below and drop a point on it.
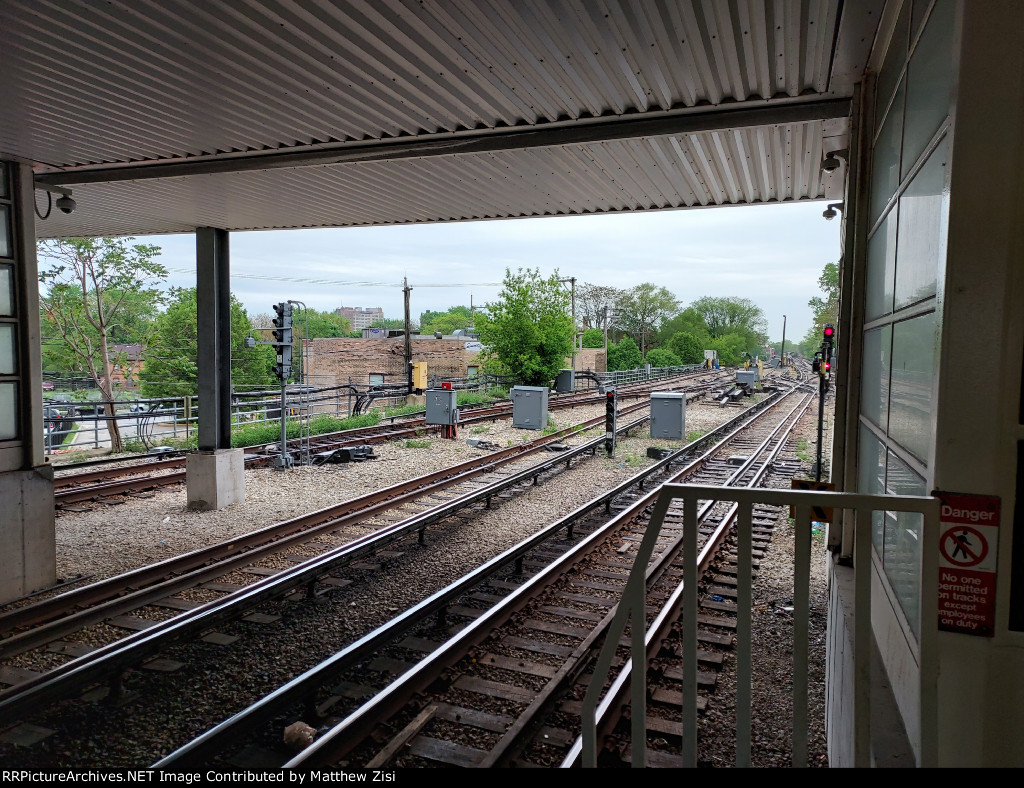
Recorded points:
(771, 254)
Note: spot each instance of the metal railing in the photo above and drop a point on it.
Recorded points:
(632, 609)
(639, 374)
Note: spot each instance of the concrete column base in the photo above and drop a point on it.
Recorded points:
(215, 479)
(416, 399)
(27, 535)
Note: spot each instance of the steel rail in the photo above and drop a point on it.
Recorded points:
(114, 658)
(217, 738)
(353, 729)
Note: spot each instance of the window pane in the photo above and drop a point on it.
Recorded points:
(914, 346)
(922, 230)
(874, 395)
(5, 231)
(6, 290)
(8, 411)
(892, 66)
(885, 168)
(4, 193)
(8, 350)
(902, 559)
(881, 268)
(929, 79)
(871, 479)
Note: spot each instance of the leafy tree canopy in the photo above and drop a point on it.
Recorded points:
(687, 347)
(528, 332)
(641, 310)
(690, 321)
(624, 355)
(446, 322)
(172, 361)
(592, 337)
(662, 357)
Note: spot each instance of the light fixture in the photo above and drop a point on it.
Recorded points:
(65, 203)
(832, 162)
(830, 212)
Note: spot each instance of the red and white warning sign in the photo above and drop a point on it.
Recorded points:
(968, 537)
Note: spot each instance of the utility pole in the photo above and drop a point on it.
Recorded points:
(575, 338)
(408, 336)
(783, 353)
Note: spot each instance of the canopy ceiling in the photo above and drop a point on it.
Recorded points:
(166, 115)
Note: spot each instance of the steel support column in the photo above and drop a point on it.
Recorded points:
(213, 305)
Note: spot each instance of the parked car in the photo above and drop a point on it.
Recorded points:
(48, 385)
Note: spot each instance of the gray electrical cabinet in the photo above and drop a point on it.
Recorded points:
(668, 415)
(442, 406)
(529, 407)
(566, 381)
(746, 377)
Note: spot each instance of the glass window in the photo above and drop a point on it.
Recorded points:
(922, 230)
(929, 81)
(914, 348)
(885, 166)
(875, 376)
(6, 290)
(4, 193)
(8, 350)
(5, 231)
(376, 380)
(871, 479)
(8, 411)
(902, 556)
(471, 372)
(892, 65)
(881, 268)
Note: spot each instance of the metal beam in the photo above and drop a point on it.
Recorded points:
(690, 120)
(213, 307)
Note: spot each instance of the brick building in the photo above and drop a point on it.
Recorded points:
(359, 317)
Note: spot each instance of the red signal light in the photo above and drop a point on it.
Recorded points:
(827, 365)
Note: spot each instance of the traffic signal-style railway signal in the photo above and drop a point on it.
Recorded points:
(283, 340)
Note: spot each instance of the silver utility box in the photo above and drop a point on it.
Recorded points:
(566, 381)
(746, 377)
(442, 406)
(668, 416)
(529, 407)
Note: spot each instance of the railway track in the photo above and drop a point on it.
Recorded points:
(71, 490)
(520, 635)
(117, 665)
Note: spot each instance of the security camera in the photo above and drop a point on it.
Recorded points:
(66, 204)
(829, 213)
(831, 163)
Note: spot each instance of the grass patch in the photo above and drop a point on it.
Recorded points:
(401, 410)
(480, 397)
(551, 428)
(411, 444)
(693, 435)
(801, 450)
(479, 430)
(270, 432)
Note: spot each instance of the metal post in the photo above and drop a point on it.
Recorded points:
(408, 336)
(783, 353)
(213, 296)
(821, 414)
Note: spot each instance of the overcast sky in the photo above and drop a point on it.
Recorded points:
(771, 254)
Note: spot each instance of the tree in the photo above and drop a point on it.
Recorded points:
(641, 310)
(595, 305)
(688, 347)
(98, 291)
(826, 310)
(689, 321)
(624, 355)
(732, 316)
(662, 357)
(172, 360)
(592, 337)
(528, 332)
(446, 322)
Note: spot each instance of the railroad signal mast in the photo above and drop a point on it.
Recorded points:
(823, 366)
(283, 369)
(610, 419)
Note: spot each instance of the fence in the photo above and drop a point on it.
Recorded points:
(632, 608)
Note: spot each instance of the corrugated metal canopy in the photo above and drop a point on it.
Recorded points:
(167, 115)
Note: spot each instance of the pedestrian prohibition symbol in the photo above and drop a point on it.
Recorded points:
(963, 546)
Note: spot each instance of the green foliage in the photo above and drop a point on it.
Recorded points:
(624, 355)
(446, 322)
(311, 324)
(592, 337)
(401, 410)
(687, 347)
(641, 310)
(480, 397)
(270, 432)
(387, 322)
(731, 348)
(528, 332)
(693, 435)
(172, 359)
(661, 357)
(411, 444)
(689, 321)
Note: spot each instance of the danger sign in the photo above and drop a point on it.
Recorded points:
(968, 536)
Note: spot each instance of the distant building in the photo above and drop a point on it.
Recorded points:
(359, 317)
